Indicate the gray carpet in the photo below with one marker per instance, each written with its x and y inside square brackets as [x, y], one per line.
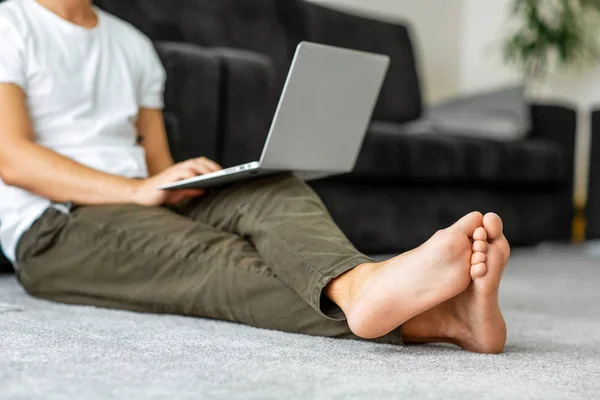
[551, 299]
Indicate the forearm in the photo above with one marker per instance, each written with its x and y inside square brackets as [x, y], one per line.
[39, 170]
[46, 173]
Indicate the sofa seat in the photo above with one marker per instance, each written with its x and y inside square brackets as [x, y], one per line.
[396, 152]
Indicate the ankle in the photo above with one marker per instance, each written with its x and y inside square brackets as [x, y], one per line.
[342, 289]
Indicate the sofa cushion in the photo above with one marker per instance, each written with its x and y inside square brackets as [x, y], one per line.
[400, 99]
[157, 19]
[392, 151]
[503, 114]
[256, 25]
[192, 103]
[248, 99]
[274, 28]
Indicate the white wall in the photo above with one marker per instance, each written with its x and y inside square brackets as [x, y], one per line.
[436, 31]
[485, 24]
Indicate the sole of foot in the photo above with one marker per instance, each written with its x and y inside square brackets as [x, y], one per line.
[377, 298]
[479, 303]
[471, 320]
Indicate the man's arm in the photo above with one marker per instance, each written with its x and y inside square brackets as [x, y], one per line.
[151, 128]
[27, 165]
[32, 167]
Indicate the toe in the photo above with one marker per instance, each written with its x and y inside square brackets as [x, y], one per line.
[478, 258]
[480, 245]
[493, 226]
[503, 248]
[480, 234]
[478, 271]
[469, 223]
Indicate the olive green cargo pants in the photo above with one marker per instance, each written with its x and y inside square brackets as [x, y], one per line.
[258, 253]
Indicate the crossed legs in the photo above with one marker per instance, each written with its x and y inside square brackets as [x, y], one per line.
[451, 282]
[267, 254]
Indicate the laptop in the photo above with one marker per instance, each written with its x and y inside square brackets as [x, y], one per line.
[321, 120]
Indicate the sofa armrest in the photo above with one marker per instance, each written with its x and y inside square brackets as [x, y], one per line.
[249, 100]
[192, 99]
[558, 124]
[592, 211]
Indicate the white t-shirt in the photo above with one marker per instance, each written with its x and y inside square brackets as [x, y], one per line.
[84, 88]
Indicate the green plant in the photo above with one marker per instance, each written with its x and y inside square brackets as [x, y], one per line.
[552, 31]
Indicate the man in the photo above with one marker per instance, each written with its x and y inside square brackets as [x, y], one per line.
[83, 222]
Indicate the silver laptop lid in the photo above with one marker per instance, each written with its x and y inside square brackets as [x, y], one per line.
[325, 109]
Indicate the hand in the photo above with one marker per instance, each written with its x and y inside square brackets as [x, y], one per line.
[146, 192]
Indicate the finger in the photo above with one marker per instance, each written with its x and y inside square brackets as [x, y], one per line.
[180, 173]
[198, 168]
[215, 166]
[209, 164]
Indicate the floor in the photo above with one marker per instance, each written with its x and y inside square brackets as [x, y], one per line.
[551, 298]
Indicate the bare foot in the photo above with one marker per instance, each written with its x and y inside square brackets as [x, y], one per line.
[473, 319]
[377, 298]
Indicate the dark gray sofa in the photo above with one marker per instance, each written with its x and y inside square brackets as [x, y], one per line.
[227, 61]
[592, 211]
